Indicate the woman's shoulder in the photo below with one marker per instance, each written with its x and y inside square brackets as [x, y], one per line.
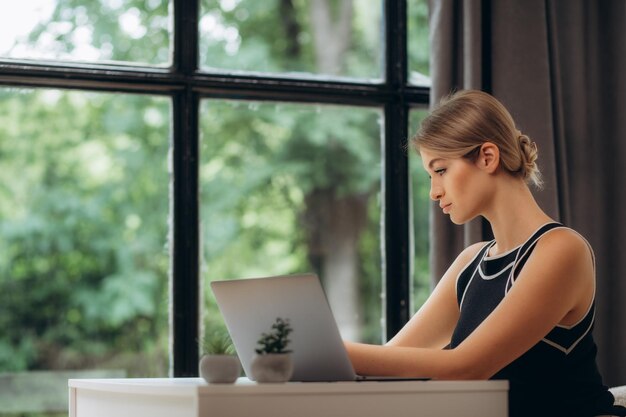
[565, 255]
[462, 261]
[564, 240]
[469, 254]
[472, 250]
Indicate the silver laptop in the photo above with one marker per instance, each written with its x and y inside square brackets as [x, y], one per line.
[250, 307]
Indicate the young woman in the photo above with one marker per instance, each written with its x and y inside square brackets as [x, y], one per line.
[520, 307]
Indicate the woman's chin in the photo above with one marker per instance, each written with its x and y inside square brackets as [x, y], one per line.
[459, 221]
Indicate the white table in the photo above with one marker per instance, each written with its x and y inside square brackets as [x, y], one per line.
[192, 397]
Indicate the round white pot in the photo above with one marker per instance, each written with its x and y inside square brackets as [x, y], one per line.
[220, 369]
[273, 367]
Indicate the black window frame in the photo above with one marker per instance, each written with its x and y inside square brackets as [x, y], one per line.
[186, 85]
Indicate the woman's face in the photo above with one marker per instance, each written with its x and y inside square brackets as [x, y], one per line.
[458, 184]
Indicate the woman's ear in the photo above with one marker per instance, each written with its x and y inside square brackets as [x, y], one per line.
[488, 157]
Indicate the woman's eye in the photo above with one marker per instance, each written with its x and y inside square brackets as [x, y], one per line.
[440, 171]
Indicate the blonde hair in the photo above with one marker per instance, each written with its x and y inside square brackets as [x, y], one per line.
[463, 121]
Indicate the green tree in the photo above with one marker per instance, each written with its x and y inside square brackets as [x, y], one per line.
[83, 269]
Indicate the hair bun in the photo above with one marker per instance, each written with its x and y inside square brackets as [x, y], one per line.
[529, 153]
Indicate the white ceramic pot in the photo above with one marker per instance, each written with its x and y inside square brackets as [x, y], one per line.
[220, 369]
[273, 367]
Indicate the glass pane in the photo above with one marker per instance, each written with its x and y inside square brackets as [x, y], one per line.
[121, 31]
[340, 38]
[418, 43]
[84, 188]
[420, 201]
[289, 188]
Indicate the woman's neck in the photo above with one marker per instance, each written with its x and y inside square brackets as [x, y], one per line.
[514, 215]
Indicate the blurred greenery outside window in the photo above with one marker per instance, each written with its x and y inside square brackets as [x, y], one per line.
[85, 211]
[101, 31]
[418, 46]
[341, 38]
[83, 231]
[420, 203]
[289, 188]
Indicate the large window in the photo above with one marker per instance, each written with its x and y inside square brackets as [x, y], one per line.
[148, 147]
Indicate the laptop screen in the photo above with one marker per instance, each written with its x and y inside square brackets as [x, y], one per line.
[250, 307]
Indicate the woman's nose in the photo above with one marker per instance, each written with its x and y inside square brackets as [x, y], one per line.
[435, 192]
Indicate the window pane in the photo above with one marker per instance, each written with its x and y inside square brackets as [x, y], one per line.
[418, 44]
[122, 31]
[421, 206]
[83, 228]
[326, 38]
[290, 188]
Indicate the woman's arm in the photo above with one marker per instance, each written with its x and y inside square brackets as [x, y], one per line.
[433, 324]
[402, 361]
[555, 286]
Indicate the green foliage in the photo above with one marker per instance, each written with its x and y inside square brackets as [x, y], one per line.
[277, 339]
[250, 35]
[133, 31]
[259, 163]
[217, 343]
[83, 271]
[418, 41]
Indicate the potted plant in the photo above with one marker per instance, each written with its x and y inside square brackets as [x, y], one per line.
[273, 362]
[219, 364]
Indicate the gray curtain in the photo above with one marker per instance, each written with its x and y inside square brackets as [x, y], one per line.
[560, 68]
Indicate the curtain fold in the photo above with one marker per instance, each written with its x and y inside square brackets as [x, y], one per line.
[559, 66]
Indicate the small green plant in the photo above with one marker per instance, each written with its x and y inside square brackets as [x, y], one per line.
[277, 340]
[218, 342]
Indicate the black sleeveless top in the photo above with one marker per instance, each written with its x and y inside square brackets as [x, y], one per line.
[556, 377]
